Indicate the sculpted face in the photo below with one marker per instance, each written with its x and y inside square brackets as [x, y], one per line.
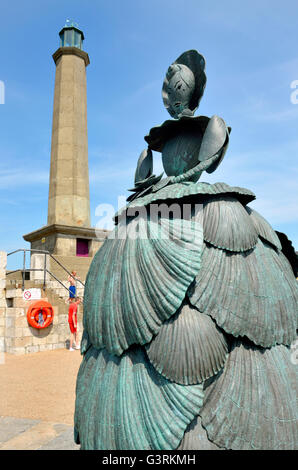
[180, 87]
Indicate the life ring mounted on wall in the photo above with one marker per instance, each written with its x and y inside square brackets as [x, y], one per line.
[40, 314]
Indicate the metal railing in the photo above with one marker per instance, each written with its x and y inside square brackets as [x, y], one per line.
[44, 269]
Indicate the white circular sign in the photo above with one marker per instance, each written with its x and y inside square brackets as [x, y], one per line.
[27, 295]
[32, 294]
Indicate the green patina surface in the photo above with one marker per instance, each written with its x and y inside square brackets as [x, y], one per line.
[123, 403]
[135, 284]
[188, 321]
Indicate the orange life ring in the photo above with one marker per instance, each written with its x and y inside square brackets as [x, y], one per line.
[40, 314]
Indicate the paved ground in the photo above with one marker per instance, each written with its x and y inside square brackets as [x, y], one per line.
[29, 434]
[37, 396]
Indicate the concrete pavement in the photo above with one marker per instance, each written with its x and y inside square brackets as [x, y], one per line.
[28, 434]
[37, 397]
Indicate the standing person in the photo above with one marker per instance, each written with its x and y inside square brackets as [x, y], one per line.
[72, 280]
[73, 322]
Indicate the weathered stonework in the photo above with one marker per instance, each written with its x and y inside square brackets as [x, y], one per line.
[18, 337]
[69, 180]
[69, 202]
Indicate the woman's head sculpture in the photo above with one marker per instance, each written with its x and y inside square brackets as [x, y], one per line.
[184, 84]
[181, 85]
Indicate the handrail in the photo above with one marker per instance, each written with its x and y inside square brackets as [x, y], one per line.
[44, 269]
[21, 270]
[47, 253]
[58, 262]
[60, 282]
[40, 269]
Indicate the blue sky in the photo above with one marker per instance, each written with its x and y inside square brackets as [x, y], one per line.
[251, 52]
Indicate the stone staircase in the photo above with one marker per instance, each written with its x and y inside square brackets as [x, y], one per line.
[80, 265]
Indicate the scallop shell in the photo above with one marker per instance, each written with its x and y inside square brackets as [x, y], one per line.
[264, 229]
[188, 348]
[251, 294]
[187, 189]
[214, 138]
[122, 403]
[226, 224]
[138, 279]
[144, 166]
[195, 438]
[252, 404]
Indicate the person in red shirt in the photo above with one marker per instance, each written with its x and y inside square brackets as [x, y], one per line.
[73, 322]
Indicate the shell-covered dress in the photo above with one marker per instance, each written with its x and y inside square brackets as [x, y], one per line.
[188, 323]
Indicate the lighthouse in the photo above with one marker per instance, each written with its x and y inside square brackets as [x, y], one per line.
[69, 178]
[68, 234]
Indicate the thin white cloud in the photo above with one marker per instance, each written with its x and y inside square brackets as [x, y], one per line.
[272, 174]
[263, 110]
[110, 175]
[278, 116]
[140, 92]
[22, 177]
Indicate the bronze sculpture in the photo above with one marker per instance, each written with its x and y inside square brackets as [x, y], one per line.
[187, 330]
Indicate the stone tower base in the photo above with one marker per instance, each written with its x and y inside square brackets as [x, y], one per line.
[63, 242]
